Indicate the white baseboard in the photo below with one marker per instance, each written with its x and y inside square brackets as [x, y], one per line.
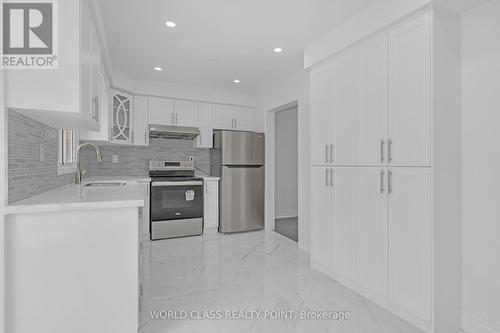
[285, 215]
[473, 324]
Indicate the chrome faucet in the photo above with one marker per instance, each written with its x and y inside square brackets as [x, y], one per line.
[79, 173]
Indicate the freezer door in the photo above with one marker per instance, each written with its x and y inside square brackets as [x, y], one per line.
[240, 148]
[242, 199]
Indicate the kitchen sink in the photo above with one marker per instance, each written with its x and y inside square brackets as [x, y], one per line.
[105, 184]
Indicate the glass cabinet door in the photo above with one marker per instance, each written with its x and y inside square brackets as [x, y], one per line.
[121, 130]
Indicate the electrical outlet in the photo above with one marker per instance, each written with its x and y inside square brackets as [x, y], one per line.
[115, 159]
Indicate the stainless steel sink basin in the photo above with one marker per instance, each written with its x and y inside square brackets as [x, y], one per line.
[105, 184]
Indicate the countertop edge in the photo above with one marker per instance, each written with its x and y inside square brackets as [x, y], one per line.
[47, 208]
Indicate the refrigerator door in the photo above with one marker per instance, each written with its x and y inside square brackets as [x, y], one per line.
[240, 148]
[242, 199]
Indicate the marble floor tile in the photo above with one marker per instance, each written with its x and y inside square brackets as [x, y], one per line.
[255, 271]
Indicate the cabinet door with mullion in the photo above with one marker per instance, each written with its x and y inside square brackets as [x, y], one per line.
[122, 118]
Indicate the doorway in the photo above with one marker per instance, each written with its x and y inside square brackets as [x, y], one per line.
[286, 173]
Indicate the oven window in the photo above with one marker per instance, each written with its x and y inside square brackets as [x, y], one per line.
[176, 202]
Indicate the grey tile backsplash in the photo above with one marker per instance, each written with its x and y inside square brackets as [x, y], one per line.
[28, 176]
[133, 160]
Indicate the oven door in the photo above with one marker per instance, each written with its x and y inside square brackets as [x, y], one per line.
[176, 200]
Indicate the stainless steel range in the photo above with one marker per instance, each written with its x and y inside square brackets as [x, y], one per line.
[176, 200]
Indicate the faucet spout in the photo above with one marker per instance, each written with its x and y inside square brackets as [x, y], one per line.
[79, 173]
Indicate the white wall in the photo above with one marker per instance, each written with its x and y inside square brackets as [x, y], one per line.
[286, 163]
[481, 168]
[291, 89]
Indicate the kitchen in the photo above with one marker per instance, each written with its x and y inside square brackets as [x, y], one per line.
[144, 163]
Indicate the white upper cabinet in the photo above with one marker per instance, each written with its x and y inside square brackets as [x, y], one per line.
[62, 97]
[104, 114]
[95, 72]
[410, 93]
[122, 117]
[346, 233]
[161, 111]
[223, 117]
[232, 117]
[371, 131]
[186, 113]
[344, 106]
[141, 121]
[244, 118]
[321, 116]
[410, 240]
[205, 140]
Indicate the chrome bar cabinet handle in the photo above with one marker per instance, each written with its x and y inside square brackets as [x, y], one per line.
[331, 153]
[326, 178]
[331, 177]
[382, 176]
[382, 153]
[327, 159]
[389, 151]
[390, 182]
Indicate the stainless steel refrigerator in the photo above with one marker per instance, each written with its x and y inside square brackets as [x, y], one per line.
[238, 159]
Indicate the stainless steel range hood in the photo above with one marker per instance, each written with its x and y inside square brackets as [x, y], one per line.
[173, 132]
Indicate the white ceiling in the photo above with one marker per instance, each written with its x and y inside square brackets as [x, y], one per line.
[217, 41]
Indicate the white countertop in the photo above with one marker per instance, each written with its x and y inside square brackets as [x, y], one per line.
[79, 197]
[205, 176]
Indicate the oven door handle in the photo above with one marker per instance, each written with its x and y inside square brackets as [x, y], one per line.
[181, 183]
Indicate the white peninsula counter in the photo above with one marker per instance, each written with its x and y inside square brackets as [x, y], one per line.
[72, 259]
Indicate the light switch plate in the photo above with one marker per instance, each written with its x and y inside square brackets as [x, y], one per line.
[115, 159]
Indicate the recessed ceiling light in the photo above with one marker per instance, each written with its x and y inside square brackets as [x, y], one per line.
[278, 49]
[158, 69]
[236, 81]
[170, 24]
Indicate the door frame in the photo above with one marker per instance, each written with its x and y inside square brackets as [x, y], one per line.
[270, 162]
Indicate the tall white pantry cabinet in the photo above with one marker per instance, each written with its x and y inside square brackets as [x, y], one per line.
[385, 168]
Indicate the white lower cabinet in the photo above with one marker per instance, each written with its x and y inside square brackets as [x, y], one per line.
[410, 240]
[346, 240]
[211, 204]
[372, 230]
[373, 246]
[322, 196]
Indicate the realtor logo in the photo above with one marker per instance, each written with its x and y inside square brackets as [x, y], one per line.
[29, 35]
